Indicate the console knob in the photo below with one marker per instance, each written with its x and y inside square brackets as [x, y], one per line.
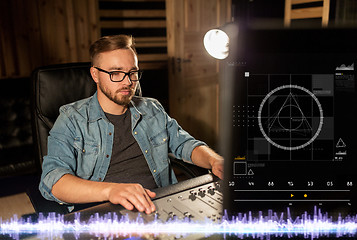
[187, 215]
[210, 190]
[156, 215]
[171, 216]
[202, 193]
[218, 186]
[192, 195]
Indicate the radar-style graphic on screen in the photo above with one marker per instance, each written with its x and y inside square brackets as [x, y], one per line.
[291, 123]
[286, 123]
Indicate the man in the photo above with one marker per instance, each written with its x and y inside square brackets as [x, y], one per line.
[114, 146]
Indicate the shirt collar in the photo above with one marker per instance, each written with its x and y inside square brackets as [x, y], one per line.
[96, 112]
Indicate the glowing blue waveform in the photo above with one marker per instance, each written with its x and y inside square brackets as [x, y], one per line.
[244, 224]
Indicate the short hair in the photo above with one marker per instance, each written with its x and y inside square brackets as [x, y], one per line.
[110, 43]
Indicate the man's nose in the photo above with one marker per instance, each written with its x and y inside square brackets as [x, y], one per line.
[127, 80]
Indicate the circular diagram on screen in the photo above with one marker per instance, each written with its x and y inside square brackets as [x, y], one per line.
[290, 117]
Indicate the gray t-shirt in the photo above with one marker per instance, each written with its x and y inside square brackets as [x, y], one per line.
[127, 164]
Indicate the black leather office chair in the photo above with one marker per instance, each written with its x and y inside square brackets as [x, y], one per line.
[52, 87]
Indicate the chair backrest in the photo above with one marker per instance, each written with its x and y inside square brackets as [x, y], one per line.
[302, 9]
[52, 87]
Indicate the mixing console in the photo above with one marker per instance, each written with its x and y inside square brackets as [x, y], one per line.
[198, 199]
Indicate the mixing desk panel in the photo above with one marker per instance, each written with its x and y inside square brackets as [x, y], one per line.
[197, 199]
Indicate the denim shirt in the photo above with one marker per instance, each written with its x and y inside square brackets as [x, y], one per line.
[81, 140]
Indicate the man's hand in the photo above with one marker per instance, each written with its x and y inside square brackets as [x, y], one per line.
[132, 195]
[217, 167]
[72, 189]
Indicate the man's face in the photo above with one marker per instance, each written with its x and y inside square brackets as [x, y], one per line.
[118, 60]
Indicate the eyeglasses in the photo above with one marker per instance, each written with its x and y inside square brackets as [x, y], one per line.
[118, 76]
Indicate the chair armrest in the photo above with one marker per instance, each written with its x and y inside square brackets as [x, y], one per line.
[189, 170]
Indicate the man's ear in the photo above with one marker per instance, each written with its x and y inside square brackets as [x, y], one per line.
[94, 73]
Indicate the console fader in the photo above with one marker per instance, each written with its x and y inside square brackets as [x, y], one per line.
[198, 199]
[197, 203]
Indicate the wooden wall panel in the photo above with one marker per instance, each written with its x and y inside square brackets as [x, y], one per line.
[346, 12]
[193, 74]
[20, 37]
[43, 32]
[201, 113]
[7, 38]
[68, 28]
[49, 21]
[145, 20]
[33, 36]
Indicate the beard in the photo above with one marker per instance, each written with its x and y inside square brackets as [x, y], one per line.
[116, 97]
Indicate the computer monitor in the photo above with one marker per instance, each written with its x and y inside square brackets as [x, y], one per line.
[288, 121]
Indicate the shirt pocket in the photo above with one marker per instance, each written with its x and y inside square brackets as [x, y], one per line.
[160, 149]
[159, 139]
[87, 155]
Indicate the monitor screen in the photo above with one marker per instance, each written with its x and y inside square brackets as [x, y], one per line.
[288, 121]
